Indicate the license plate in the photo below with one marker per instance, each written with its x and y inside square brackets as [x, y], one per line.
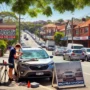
[39, 73]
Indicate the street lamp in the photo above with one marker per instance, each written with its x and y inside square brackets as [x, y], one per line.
[72, 30]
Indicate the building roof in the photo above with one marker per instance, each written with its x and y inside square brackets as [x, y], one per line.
[5, 26]
[85, 23]
[78, 25]
[49, 26]
[61, 27]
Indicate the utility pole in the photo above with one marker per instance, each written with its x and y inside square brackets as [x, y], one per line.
[19, 30]
[72, 30]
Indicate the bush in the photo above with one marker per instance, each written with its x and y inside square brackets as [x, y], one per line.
[57, 37]
[3, 46]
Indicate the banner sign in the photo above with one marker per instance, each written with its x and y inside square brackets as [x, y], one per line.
[84, 38]
[69, 74]
[7, 33]
[76, 38]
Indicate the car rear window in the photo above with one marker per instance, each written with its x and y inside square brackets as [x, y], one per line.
[88, 50]
[77, 51]
[77, 47]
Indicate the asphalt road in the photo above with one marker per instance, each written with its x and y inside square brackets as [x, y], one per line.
[58, 59]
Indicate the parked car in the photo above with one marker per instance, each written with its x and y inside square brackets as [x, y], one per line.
[57, 51]
[43, 45]
[34, 63]
[87, 53]
[74, 46]
[68, 76]
[50, 45]
[74, 54]
[26, 38]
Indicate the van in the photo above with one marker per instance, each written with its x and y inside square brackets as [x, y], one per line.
[74, 46]
[50, 45]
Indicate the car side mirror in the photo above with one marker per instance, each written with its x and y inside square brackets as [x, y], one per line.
[51, 56]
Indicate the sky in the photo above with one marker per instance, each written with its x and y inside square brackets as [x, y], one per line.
[55, 16]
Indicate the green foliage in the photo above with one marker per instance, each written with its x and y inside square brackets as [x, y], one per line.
[9, 14]
[60, 20]
[37, 32]
[57, 37]
[3, 46]
[45, 6]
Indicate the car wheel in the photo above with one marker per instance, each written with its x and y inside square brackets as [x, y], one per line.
[50, 78]
[18, 79]
[86, 58]
[63, 58]
[69, 58]
[82, 60]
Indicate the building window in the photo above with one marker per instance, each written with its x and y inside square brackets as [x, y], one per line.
[77, 32]
[85, 29]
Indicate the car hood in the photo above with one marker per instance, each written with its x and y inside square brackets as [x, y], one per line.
[39, 61]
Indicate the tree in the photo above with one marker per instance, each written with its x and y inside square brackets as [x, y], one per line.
[61, 20]
[37, 32]
[33, 7]
[8, 14]
[57, 37]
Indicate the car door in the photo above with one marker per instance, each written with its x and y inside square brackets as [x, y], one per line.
[66, 54]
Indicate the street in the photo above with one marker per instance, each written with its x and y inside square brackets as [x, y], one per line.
[46, 84]
[58, 59]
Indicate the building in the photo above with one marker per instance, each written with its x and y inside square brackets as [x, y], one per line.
[49, 30]
[82, 33]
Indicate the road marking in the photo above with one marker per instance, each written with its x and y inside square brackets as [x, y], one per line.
[46, 87]
[86, 73]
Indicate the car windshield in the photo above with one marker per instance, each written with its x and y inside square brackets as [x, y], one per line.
[29, 54]
[77, 51]
[88, 50]
[77, 47]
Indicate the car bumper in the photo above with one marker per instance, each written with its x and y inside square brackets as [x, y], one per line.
[78, 58]
[30, 74]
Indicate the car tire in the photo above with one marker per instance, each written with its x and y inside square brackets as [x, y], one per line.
[86, 58]
[83, 60]
[50, 78]
[69, 58]
[18, 79]
[63, 58]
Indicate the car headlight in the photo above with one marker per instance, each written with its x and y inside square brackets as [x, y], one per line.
[52, 64]
[24, 66]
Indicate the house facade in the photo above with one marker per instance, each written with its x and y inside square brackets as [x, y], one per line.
[82, 33]
[49, 30]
